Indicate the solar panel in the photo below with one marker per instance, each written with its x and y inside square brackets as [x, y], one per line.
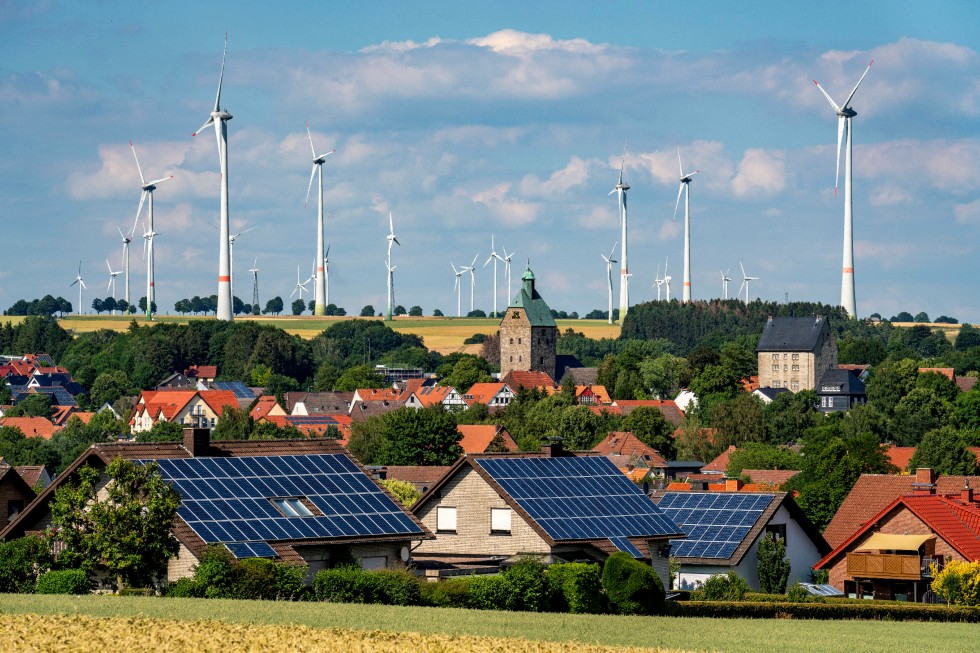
[821, 589]
[251, 550]
[228, 499]
[715, 523]
[238, 387]
[623, 544]
[579, 498]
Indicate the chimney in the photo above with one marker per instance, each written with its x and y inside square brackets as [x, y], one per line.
[925, 481]
[733, 484]
[553, 448]
[966, 494]
[197, 442]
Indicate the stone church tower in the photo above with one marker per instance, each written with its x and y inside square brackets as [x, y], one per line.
[528, 333]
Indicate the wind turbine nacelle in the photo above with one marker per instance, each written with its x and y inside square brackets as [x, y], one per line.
[847, 112]
[221, 115]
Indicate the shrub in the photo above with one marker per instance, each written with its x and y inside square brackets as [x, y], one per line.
[958, 583]
[392, 587]
[725, 587]
[452, 593]
[575, 587]
[341, 585]
[65, 581]
[490, 593]
[183, 588]
[215, 573]
[290, 581]
[253, 578]
[23, 560]
[137, 591]
[774, 566]
[631, 586]
[529, 591]
[797, 594]
[873, 610]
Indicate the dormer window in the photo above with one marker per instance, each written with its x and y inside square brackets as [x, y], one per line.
[292, 507]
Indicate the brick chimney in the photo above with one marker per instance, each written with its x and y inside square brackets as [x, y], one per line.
[733, 484]
[197, 442]
[966, 494]
[925, 481]
[553, 448]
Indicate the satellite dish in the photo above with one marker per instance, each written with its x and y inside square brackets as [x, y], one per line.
[405, 554]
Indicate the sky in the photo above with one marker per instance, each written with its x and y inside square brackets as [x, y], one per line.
[508, 120]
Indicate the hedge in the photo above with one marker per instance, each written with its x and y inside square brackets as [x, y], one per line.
[828, 610]
[631, 586]
[451, 593]
[65, 581]
[576, 587]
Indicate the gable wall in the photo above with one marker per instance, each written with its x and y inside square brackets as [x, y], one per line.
[473, 498]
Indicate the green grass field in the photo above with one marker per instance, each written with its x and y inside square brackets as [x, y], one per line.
[748, 636]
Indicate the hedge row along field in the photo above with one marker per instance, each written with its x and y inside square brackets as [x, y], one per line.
[83, 634]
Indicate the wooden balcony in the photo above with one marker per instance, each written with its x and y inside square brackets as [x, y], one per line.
[885, 565]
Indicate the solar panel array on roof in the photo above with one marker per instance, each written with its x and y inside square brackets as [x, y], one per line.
[579, 498]
[821, 589]
[229, 499]
[239, 388]
[623, 544]
[251, 550]
[311, 420]
[715, 523]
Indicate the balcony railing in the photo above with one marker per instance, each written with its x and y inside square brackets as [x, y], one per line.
[890, 565]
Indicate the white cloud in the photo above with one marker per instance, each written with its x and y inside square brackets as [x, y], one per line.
[760, 170]
[669, 230]
[514, 43]
[576, 173]
[968, 213]
[497, 199]
[889, 255]
[401, 46]
[888, 194]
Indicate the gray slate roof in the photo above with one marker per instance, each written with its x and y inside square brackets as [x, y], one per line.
[846, 382]
[792, 334]
[538, 312]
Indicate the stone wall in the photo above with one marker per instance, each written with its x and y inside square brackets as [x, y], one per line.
[515, 341]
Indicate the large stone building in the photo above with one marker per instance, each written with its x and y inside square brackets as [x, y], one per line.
[795, 352]
[528, 334]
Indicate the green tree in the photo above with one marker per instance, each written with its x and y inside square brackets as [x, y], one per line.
[108, 387]
[415, 311]
[437, 313]
[367, 311]
[465, 372]
[127, 531]
[919, 412]
[662, 375]
[405, 492]
[696, 442]
[774, 565]
[581, 428]
[649, 425]
[714, 383]
[18, 449]
[966, 409]
[326, 377]
[273, 306]
[427, 436]
[399, 310]
[944, 451]
[739, 420]
[939, 384]
[889, 382]
[362, 376]
[790, 414]
[235, 424]
[967, 338]
[367, 439]
[32, 405]
[298, 307]
[755, 455]
[162, 432]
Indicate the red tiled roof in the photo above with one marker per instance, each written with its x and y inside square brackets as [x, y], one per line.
[965, 383]
[264, 406]
[857, 369]
[625, 443]
[381, 394]
[218, 399]
[719, 464]
[872, 493]
[527, 379]
[32, 427]
[750, 383]
[900, 456]
[30, 473]
[772, 477]
[477, 437]
[672, 413]
[201, 372]
[611, 410]
[419, 475]
[482, 393]
[948, 372]
[430, 394]
[597, 393]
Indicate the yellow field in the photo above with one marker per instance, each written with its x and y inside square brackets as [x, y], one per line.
[441, 334]
[29, 632]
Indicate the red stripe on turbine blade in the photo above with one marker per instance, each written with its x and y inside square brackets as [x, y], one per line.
[223, 279]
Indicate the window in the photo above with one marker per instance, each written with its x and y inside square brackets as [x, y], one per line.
[511, 341]
[500, 520]
[777, 531]
[785, 368]
[445, 519]
[796, 357]
[511, 359]
[775, 357]
[775, 368]
[14, 506]
[785, 356]
[823, 402]
[796, 385]
[518, 341]
[292, 507]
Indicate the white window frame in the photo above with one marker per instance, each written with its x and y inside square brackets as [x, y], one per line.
[446, 519]
[501, 520]
[291, 507]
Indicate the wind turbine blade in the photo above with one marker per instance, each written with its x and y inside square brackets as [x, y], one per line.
[849, 97]
[391, 224]
[221, 77]
[613, 249]
[310, 187]
[396, 241]
[455, 271]
[829, 99]
[678, 202]
[121, 235]
[83, 284]
[489, 258]
[841, 128]
[311, 138]
[133, 147]
[159, 181]
[108, 266]
[327, 253]
[140, 209]
[743, 269]
[679, 166]
[210, 121]
[473, 263]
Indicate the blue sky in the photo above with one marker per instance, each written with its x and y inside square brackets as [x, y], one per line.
[505, 118]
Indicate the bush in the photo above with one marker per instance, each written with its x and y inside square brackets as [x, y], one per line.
[215, 573]
[631, 586]
[575, 587]
[65, 581]
[392, 587]
[529, 591]
[23, 560]
[797, 594]
[725, 587]
[183, 588]
[253, 578]
[290, 582]
[958, 583]
[452, 593]
[773, 565]
[137, 591]
[341, 585]
[490, 593]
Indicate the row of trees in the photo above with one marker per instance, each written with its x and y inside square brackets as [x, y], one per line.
[47, 305]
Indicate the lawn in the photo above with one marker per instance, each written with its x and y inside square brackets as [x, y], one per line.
[689, 634]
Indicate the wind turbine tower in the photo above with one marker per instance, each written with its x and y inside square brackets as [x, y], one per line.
[667, 278]
[320, 287]
[299, 287]
[724, 283]
[469, 268]
[81, 284]
[458, 288]
[391, 271]
[231, 256]
[745, 282]
[685, 185]
[255, 285]
[494, 256]
[127, 238]
[624, 275]
[219, 120]
[609, 266]
[658, 281]
[112, 279]
[507, 258]
[326, 279]
[148, 189]
[844, 115]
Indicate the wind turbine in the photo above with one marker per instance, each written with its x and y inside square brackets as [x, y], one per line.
[127, 238]
[319, 288]
[745, 282]
[391, 271]
[685, 185]
[724, 282]
[148, 189]
[231, 256]
[300, 286]
[148, 255]
[219, 120]
[326, 278]
[112, 279]
[81, 284]
[667, 278]
[507, 258]
[469, 268]
[255, 284]
[609, 266]
[844, 114]
[494, 256]
[458, 287]
[659, 281]
[624, 275]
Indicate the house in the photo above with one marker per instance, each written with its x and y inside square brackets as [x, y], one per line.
[724, 530]
[485, 438]
[34, 475]
[15, 493]
[302, 501]
[553, 505]
[899, 456]
[860, 371]
[795, 352]
[585, 395]
[528, 333]
[872, 493]
[624, 449]
[314, 403]
[719, 465]
[768, 395]
[198, 408]
[529, 379]
[32, 427]
[839, 391]
[266, 406]
[55, 379]
[421, 476]
[492, 395]
[178, 381]
[772, 479]
[205, 374]
[430, 395]
[891, 555]
[580, 375]
[685, 400]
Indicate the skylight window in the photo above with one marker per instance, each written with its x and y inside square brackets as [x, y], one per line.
[292, 507]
